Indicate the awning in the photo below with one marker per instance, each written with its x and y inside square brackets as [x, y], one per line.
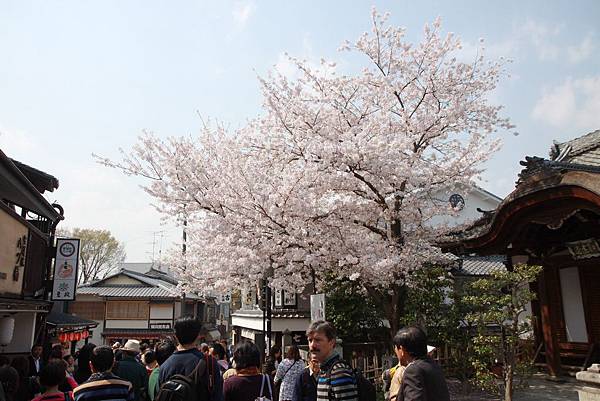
[65, 321]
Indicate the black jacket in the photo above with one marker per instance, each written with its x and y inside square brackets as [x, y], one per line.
[32, 370]
[305, 388]
[423, 380]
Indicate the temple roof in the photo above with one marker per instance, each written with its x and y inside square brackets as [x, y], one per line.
[480, 265]
[583, 150]
[572, 163]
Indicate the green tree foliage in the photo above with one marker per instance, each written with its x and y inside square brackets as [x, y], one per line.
[356, 316]
[436, 302]
[499, 304]
[100, 253]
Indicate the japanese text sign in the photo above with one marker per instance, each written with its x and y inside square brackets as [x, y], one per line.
[66, 265]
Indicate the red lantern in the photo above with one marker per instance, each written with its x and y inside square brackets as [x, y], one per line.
[85, 334]
[62, 337]
[78, 336]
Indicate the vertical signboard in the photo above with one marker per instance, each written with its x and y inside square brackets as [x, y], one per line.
[225, 298]
[317, 307]
[13, 248]
[66, 264]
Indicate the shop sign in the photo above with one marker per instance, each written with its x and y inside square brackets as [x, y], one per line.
[14, 237]
[164, 326]
[588, 248]
[248, 298]
[66, 265]
[225, 298]
[317, 307]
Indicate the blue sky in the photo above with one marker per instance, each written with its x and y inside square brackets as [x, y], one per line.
[78, 77]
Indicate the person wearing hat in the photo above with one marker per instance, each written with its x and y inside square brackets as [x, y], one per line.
[130, 369]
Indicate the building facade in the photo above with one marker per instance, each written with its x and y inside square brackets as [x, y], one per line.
[140, 303]
[552, 219]
[27, 225]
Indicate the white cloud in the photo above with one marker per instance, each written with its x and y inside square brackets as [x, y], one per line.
[582, 51]
[286, 66]
[242, 11]
[575, 103]
[542, 37]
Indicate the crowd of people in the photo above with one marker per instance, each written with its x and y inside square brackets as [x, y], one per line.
[181, 369]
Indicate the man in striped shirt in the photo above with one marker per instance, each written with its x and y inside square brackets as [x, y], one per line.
[102, 384]
[336, 380]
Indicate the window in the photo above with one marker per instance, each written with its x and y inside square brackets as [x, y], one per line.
[87, 310]
[127, 310]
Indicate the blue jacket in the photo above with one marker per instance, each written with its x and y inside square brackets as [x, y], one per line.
[184, 362]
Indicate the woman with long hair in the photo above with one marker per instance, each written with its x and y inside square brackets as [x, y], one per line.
[288, 372]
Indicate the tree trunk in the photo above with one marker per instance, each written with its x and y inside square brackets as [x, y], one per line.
[508, 382]
[391, 304]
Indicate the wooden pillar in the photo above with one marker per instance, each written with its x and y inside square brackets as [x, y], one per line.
[550, 340]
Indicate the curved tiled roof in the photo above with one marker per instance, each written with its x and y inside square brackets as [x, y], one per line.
[481, 265]
[583, 150]
[151, 285]
[127, 292]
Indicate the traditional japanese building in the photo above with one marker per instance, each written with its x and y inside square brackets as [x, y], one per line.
[27, 224]
[552, 219]
[141, 301]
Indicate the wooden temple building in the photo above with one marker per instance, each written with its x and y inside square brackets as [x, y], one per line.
[552, 219]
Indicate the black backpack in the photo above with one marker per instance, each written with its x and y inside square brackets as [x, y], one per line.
[188, 388]
[177, 388]
[366, 389]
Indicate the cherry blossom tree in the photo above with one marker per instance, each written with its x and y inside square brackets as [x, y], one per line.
[339, 173]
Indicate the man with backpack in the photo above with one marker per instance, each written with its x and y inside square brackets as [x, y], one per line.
[102, 384]
[336, 379]
[188, 374]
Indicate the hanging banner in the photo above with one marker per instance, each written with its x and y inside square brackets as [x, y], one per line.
[317, 307]
[66, 265]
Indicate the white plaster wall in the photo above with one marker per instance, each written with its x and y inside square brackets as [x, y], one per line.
[122, 280]
[473, 199]
[255, 323]
[161, 311]
[573, 305]
[126, 324]
[97, 333]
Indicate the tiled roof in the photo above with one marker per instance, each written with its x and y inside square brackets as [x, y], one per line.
[60, 319]
[480, 265]
[151, 284]
[127, 292]
[582, 150]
